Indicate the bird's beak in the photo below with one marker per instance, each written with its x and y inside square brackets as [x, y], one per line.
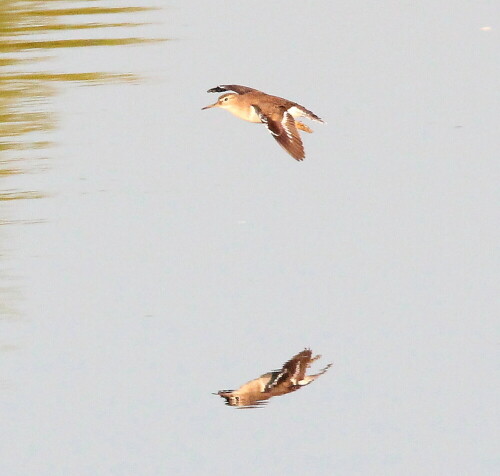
[215, 104]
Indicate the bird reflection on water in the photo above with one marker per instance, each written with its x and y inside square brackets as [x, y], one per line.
[291, 377]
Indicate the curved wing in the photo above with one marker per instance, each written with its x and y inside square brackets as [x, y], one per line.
[231, 87]
[285, 132]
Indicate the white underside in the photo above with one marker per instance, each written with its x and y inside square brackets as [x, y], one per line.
[296, 112]
[247, 114]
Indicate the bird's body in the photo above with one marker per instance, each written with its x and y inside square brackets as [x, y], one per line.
[291, 377]
[277, 114]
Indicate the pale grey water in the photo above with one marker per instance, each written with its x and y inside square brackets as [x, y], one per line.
[177, 252]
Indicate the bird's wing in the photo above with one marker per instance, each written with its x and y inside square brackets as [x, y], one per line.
[295, 369]
[285, 132]
[231, 87]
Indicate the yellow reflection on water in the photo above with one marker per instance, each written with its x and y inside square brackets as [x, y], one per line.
[32, 31]
[25, 90]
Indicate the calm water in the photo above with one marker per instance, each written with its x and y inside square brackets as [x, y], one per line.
[31, 34]
[152, 253]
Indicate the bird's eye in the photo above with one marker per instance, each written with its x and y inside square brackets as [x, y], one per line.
[225, 99]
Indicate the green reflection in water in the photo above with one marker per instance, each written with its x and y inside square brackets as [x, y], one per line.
[9, 46]
[25, 92]
[29, 31]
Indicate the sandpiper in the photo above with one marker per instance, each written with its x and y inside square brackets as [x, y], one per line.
[276, 113]
[289, 378]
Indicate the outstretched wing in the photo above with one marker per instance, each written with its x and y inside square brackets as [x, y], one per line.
[231, 87]
[293, 370]
[285, 132]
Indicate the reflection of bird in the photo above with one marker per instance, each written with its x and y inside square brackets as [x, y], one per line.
[276, 113]
[278, 382]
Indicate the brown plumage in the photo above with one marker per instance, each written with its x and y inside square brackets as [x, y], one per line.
[289, 378]
[277, 114]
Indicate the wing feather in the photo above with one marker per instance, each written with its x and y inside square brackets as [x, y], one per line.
[231, 87]
[284, 132]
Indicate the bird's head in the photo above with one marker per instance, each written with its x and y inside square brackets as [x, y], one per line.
[226, 101]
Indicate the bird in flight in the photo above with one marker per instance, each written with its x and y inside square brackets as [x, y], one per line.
[292, 376]
[276, 113]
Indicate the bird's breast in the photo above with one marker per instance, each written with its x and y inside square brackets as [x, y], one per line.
[247, 113]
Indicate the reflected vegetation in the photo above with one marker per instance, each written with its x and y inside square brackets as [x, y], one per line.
[31, 32]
